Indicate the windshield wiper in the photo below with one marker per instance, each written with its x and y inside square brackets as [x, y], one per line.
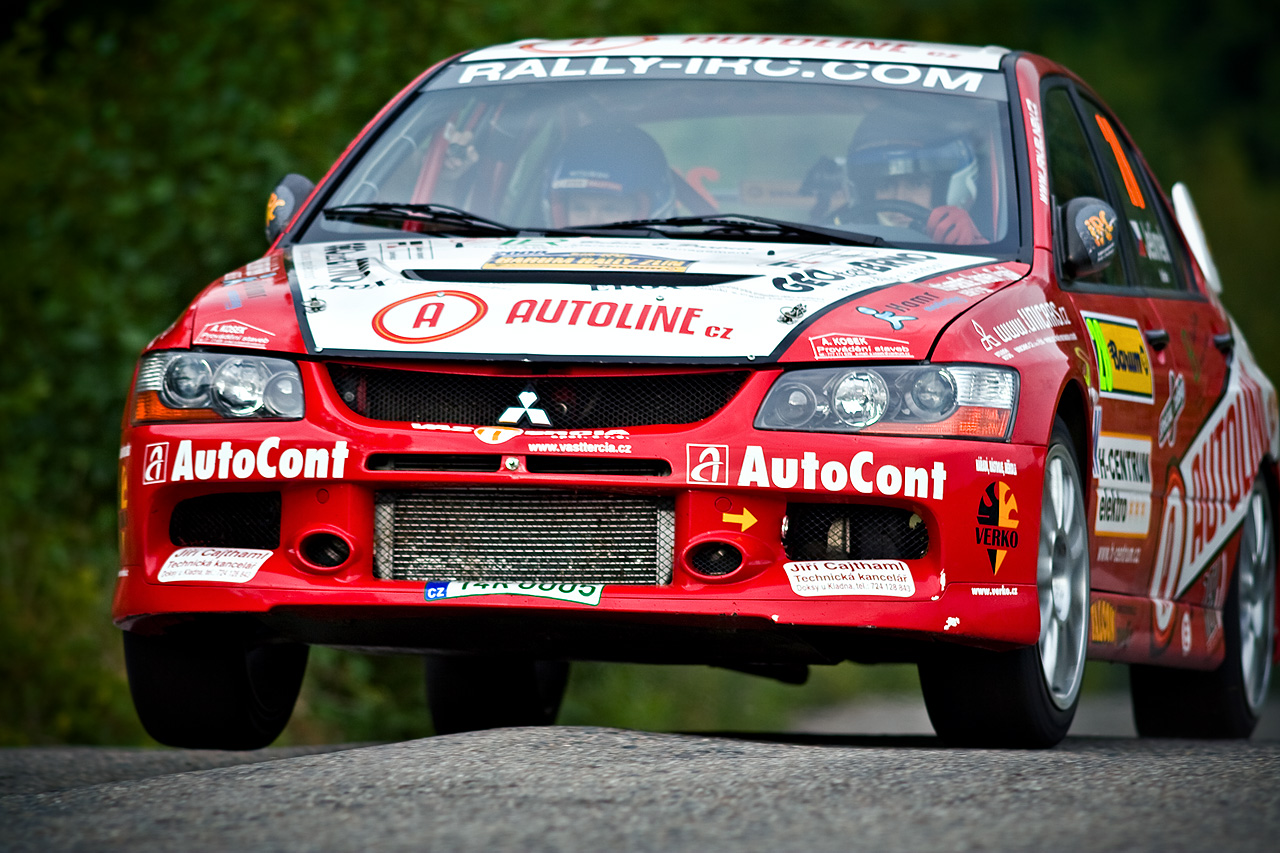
[435, 218]
[740, 225]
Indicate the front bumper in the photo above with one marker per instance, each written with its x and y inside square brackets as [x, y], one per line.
[728, 483]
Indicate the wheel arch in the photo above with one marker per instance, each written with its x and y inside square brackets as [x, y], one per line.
[1073, 409]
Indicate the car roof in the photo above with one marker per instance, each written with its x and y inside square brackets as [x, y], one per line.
[849, 49]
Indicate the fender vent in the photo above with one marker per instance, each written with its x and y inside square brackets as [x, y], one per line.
[227, 520]
[854, 532]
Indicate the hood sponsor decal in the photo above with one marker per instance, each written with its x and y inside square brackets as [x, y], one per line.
[596, 261]
[710, 464]
[817, 578]
[373, 306]
[1029, 320]
[223, 462]
[442, 314]
[997, 527]
[1124, 365]
[577, 593]
[224, 565]
[845, 346]
[1122, 464]
[227, 333]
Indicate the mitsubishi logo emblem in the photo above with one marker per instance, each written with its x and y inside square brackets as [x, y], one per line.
[537, 417]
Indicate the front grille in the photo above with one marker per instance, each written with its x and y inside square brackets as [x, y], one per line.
[570, 402]
[523, 535]
[854, 532]
[227, 520]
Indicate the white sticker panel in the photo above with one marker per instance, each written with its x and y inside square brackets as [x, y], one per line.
[367, 304]
[818, 578]
[225, 565]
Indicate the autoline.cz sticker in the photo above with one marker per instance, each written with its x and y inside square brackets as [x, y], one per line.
[578, 593]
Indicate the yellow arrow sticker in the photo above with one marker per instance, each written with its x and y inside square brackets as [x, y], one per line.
[746, 519]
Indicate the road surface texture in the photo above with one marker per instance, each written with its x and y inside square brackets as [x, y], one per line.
[596, 789]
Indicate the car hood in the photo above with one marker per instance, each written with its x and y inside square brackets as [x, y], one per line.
[597, 299]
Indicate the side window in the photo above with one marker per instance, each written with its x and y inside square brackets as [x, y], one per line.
[1072, 169]
[1157, 254]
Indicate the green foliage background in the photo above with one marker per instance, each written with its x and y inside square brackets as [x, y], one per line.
[139, 140]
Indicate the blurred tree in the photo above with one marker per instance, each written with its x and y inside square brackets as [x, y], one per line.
[141, 137]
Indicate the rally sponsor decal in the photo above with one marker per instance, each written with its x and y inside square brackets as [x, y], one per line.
[818, 578]
[594, 261]
[429, 317]
[1172, 410]
[986, 465]
[1208, 495]
[778, 46]
[155, 463]
[225, 565]
[997, 523]
[710, 464]
[543, 440]
[977, 282]
[882, 75]
[993, 591]
[228, 333]
[843, 346]
[376, 302]
[1120, 350]
[1102, 622]
[707, 464]
[265, 460]
[577, 593]
[1024, 330]
[1122, 465]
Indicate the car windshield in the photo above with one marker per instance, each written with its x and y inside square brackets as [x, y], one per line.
[905, 155]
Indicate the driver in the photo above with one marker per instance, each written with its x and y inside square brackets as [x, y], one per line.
[609, 173]
[907, 174]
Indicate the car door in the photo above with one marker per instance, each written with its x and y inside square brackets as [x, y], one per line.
[1126, 359]
[1201, 405]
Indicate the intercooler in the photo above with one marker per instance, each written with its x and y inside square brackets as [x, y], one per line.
[485, 534]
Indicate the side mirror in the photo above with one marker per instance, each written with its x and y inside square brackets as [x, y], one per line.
[284, 202]
[1089, 225]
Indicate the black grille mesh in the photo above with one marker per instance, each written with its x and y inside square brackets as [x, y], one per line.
[571, 402]
[227, 520]
[523, 535]
[854, 532]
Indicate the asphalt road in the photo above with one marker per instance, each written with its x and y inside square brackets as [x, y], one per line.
[595, 789]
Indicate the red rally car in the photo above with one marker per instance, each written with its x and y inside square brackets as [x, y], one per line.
[750, 351]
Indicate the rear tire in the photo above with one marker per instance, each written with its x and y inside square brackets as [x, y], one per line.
[471, 692]
[1027, 697]
[201, 691]
[1225, 702]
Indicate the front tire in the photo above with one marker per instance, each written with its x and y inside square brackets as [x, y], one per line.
[1027, 697]
[213, 691]
[1225, 702]
[472, 692]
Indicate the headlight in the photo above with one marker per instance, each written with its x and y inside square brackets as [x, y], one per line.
[202, 386]
[966, 401]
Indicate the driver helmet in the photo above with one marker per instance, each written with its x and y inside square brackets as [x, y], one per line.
[889, 147]
[609, 173]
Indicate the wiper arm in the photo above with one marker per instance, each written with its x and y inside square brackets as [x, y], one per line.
[435, 217]
[743, 225]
